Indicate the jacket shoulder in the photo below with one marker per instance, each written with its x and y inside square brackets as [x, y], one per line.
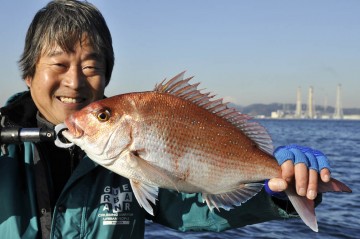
[16, 97]
[20, 110]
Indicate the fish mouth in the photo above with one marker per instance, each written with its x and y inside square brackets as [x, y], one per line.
[73, 128]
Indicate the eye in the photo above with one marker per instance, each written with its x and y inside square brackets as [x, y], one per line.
[59, 67]
[103, 115]
[89, 68]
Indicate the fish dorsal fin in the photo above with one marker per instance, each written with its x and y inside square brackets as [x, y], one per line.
[180, 87]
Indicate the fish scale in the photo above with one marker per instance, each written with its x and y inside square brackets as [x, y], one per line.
[177, 137]
[226, 155]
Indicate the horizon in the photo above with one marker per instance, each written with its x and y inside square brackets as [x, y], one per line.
[246, 52]
[303, 105]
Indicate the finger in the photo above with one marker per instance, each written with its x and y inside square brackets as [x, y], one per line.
[312, 161]
[322, 160]
[287, 171]
[282, 154]
[300, 157]
[301, 178]
[325, 175]
[277, 184]
[313, 184]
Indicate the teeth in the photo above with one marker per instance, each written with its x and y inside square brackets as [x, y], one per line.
[69, 100]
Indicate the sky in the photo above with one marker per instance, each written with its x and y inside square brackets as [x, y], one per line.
[243, 51]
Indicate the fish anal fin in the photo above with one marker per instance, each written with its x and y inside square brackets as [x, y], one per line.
[232, 198]
[145, 193]
[304, 207]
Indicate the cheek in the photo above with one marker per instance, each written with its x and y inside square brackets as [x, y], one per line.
[43, 83]
[98, 87]
[92, 128]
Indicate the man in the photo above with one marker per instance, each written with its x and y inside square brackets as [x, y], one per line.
[48, 192]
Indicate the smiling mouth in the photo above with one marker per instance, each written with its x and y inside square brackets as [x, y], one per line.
[69, 100]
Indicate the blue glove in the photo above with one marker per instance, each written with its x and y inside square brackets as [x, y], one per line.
[312, 158]
[279, 195]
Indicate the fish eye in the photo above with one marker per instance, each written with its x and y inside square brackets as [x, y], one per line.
[103, 115]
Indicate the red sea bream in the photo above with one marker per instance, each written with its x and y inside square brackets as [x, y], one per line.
[179, 138]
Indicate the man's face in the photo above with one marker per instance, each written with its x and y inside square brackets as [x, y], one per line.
[66, 82]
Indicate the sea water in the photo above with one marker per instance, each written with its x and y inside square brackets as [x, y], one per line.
[339, 213]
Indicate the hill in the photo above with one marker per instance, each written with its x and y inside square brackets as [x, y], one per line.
[266, 109]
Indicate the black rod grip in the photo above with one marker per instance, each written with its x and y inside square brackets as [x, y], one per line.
[10, 135]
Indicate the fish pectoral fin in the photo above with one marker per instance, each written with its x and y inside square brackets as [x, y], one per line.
[145, 193]
[149, 170]
[233, 198]
[131, 159]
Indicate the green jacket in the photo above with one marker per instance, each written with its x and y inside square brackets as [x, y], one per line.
[97, 203]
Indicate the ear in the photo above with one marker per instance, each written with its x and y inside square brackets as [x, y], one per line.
[28, 81]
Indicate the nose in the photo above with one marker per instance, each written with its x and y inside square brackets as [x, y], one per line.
[74, 78]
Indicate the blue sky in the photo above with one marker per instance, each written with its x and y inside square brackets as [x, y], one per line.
[245, 51]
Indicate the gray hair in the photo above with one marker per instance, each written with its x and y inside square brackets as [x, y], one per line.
[63, 23]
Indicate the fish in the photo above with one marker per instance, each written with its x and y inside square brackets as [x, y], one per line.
[177, 137]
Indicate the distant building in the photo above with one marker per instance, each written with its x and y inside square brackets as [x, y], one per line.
[338, 106]
[298, 111]
[310, 111]
[291, 111]
[277, 114]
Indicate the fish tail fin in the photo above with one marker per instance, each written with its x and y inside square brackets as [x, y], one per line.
[305, 207]
[333, 186]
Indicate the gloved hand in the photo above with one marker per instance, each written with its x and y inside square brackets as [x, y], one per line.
[312, 159]
[280, 195]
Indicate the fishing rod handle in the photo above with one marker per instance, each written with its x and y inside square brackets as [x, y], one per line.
[10, 135]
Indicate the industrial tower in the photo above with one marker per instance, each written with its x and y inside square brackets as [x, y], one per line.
[338, 107]
[310, 106]
[298, 111]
